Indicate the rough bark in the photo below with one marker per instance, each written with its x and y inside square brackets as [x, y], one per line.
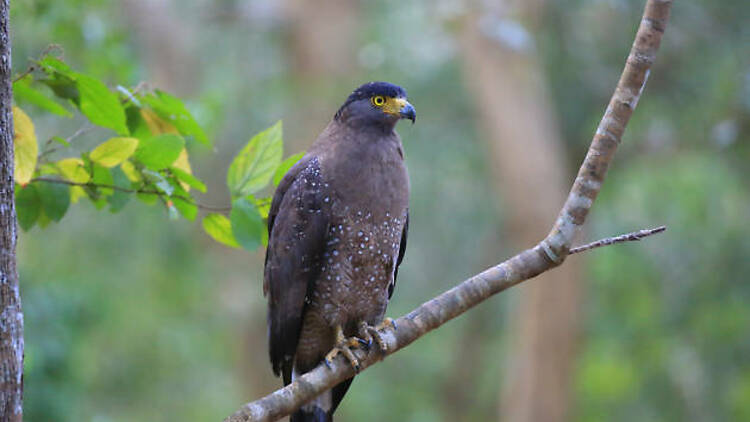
[530, 174]
[545, 255]
[11, 317]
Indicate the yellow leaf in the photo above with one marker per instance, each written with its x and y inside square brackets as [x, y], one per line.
[130, 171]
[114, 151]
[183, 164]
[156, 124]
[48, 168]
[25, 148]
[73, 169]
[76, 193]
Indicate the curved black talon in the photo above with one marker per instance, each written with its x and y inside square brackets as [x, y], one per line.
[364, 342]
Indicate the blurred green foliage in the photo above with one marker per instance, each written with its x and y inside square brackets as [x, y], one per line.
[149, 161]
[130, 319]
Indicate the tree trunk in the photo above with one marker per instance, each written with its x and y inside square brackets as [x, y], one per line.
[11, 317]
[530, 175]
[164, 44]
[322, 42]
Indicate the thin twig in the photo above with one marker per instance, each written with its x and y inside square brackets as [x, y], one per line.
[545, 255]
[83, 129]
[627, 237]
[128, 190]
[32, 67]
[47, 150]
[28, 70]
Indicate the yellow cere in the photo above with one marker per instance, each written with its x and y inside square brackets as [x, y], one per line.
[389, 105]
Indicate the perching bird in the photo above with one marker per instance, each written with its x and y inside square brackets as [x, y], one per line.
[337, 234]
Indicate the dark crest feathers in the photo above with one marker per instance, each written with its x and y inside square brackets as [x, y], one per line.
[370, 89]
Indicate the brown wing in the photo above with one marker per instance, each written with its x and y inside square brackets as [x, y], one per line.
[297, 224]
[401, 252]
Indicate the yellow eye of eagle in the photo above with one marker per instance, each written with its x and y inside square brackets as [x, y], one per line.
[378, 100]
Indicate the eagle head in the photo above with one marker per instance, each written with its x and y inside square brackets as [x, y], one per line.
[376, 104]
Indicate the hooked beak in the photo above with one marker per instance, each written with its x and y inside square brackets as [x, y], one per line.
[401, 108]
[407, 112]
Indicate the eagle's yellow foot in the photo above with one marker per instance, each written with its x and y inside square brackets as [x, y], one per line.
[344, 346]
[368, 333]
[387, 323]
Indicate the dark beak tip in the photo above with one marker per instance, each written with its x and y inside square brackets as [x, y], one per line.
[408, 112]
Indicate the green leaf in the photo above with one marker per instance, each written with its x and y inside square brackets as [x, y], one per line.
[220, 229]
[62, 79]
[188, 178]
[136, 123]
[61, 141]
[147, 198]
[174, 111]
[51, 64]
[254, 166]
[102, 176]
[100, 105]
[43, 221]
[28, 206]
[114, 151]
[118, 199]
[183, 202]
[187, 209]
[22, 90]
[25, 148]
[285, 166]
[263, 205]
[99, 202]
[55, 199]
[247, 224]
[159, 152]
[64, 88]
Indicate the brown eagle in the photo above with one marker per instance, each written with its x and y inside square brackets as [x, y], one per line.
[337, 234]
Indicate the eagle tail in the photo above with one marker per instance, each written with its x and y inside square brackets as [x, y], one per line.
[337, 393]
[318, 410]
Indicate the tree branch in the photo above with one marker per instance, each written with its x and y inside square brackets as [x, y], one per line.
[546, 255]
[627, 237]
[129, 190]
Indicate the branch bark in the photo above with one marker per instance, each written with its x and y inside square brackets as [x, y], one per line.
[545, 255]
[627, 237]
[11, 317]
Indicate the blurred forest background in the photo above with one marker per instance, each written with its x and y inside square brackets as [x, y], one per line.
[136, 318]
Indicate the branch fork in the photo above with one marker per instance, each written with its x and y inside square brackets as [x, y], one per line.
[544, 256]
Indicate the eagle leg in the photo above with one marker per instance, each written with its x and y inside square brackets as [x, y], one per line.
[344, 346]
